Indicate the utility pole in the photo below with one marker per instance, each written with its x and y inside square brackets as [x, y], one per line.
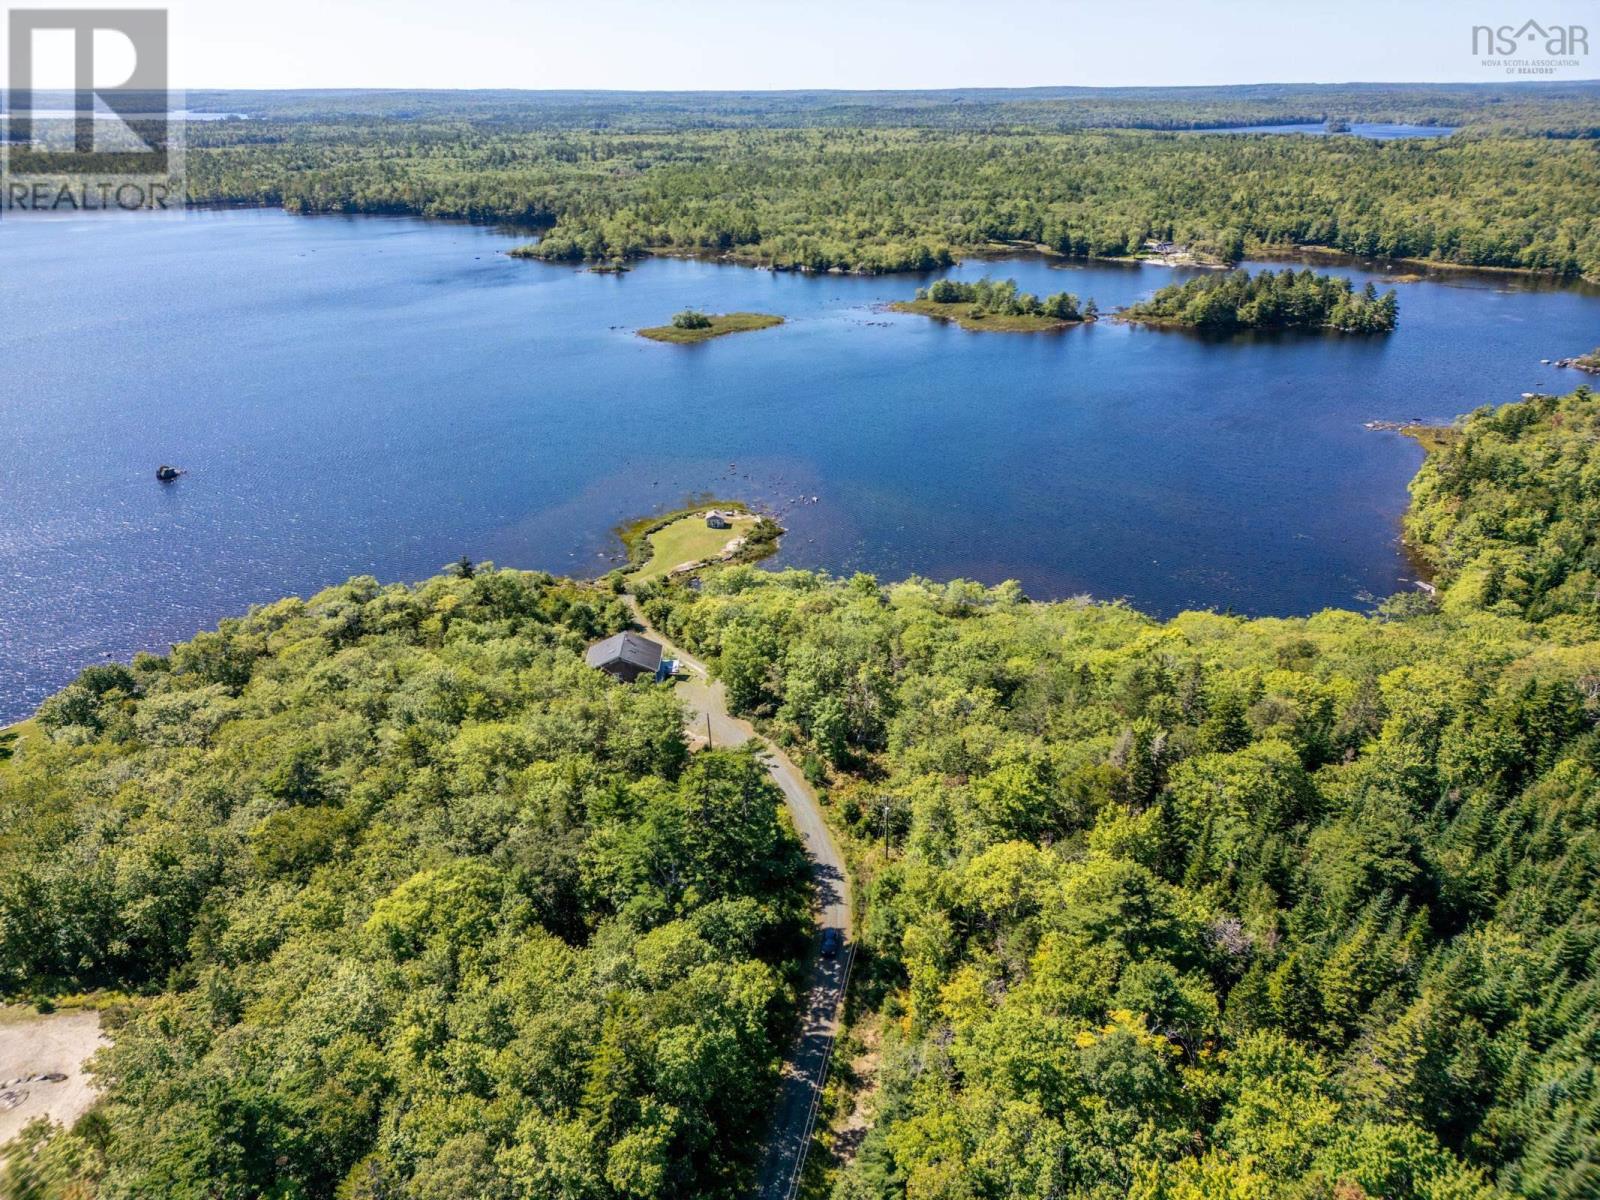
[708, 731]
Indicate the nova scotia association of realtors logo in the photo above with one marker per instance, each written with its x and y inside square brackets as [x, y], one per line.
[78, 141]
[1530, 47]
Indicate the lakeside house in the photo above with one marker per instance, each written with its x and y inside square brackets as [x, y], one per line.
[715, 520]
[626, 656]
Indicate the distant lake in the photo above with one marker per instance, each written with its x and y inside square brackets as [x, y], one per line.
[1377, 132]
[377, 395]
[66, 114]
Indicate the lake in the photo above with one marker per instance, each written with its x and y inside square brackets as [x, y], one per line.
[1377, 131]
[376, 395]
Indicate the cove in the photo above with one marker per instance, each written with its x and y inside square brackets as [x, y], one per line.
[383, 395]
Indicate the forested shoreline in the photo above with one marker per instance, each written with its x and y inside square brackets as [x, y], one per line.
[872, 199]
[1263, 908]
[384, 894]
[1533, 108]
[405, 898]
[1509, 518]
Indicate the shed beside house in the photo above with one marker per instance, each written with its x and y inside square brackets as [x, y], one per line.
[625, 656]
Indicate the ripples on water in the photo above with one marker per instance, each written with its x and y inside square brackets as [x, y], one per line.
[374, 395]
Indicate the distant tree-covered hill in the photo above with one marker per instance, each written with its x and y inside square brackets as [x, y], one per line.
[1569, 109]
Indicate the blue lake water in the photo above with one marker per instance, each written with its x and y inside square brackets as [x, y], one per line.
[1377, 131]
[374, 395]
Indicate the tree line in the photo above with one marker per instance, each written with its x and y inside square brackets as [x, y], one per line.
[1549, 108]
[1509, 514]
[875, 199]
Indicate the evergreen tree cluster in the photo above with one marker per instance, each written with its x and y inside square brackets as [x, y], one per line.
[1285, 299]
[1001, 298]
[1508, 514]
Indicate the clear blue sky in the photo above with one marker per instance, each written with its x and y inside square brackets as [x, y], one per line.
[766, 44]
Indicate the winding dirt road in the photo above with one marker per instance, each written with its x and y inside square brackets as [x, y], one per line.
[805, 1070]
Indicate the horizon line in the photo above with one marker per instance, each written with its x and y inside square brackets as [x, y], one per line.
[974, 87]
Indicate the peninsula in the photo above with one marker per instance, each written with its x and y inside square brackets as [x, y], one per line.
[679, 542]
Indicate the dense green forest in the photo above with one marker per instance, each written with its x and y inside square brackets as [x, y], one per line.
[417, 906]
[1284, 299]
[866, 198]
[1219, 907]
[421, 906]
[1509, 515]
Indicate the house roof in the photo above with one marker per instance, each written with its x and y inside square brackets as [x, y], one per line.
[631, 648]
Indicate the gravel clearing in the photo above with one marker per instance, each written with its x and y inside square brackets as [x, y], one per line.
[41, 1066]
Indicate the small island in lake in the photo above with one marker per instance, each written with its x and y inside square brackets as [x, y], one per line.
[997, 307]
[692, 325]
[1286, 299]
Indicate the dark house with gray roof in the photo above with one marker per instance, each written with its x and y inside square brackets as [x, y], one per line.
[625, 656]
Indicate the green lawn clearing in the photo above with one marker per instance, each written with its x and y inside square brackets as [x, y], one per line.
[689, 540]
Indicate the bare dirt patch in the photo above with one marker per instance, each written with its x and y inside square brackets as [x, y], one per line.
[42, 1066]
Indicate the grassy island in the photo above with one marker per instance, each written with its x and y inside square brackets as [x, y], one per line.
[661, 544]
[997, 307]
[1286, 299]
[693, 326]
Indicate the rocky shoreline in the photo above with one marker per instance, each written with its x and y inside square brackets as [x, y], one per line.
[1583, 362]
